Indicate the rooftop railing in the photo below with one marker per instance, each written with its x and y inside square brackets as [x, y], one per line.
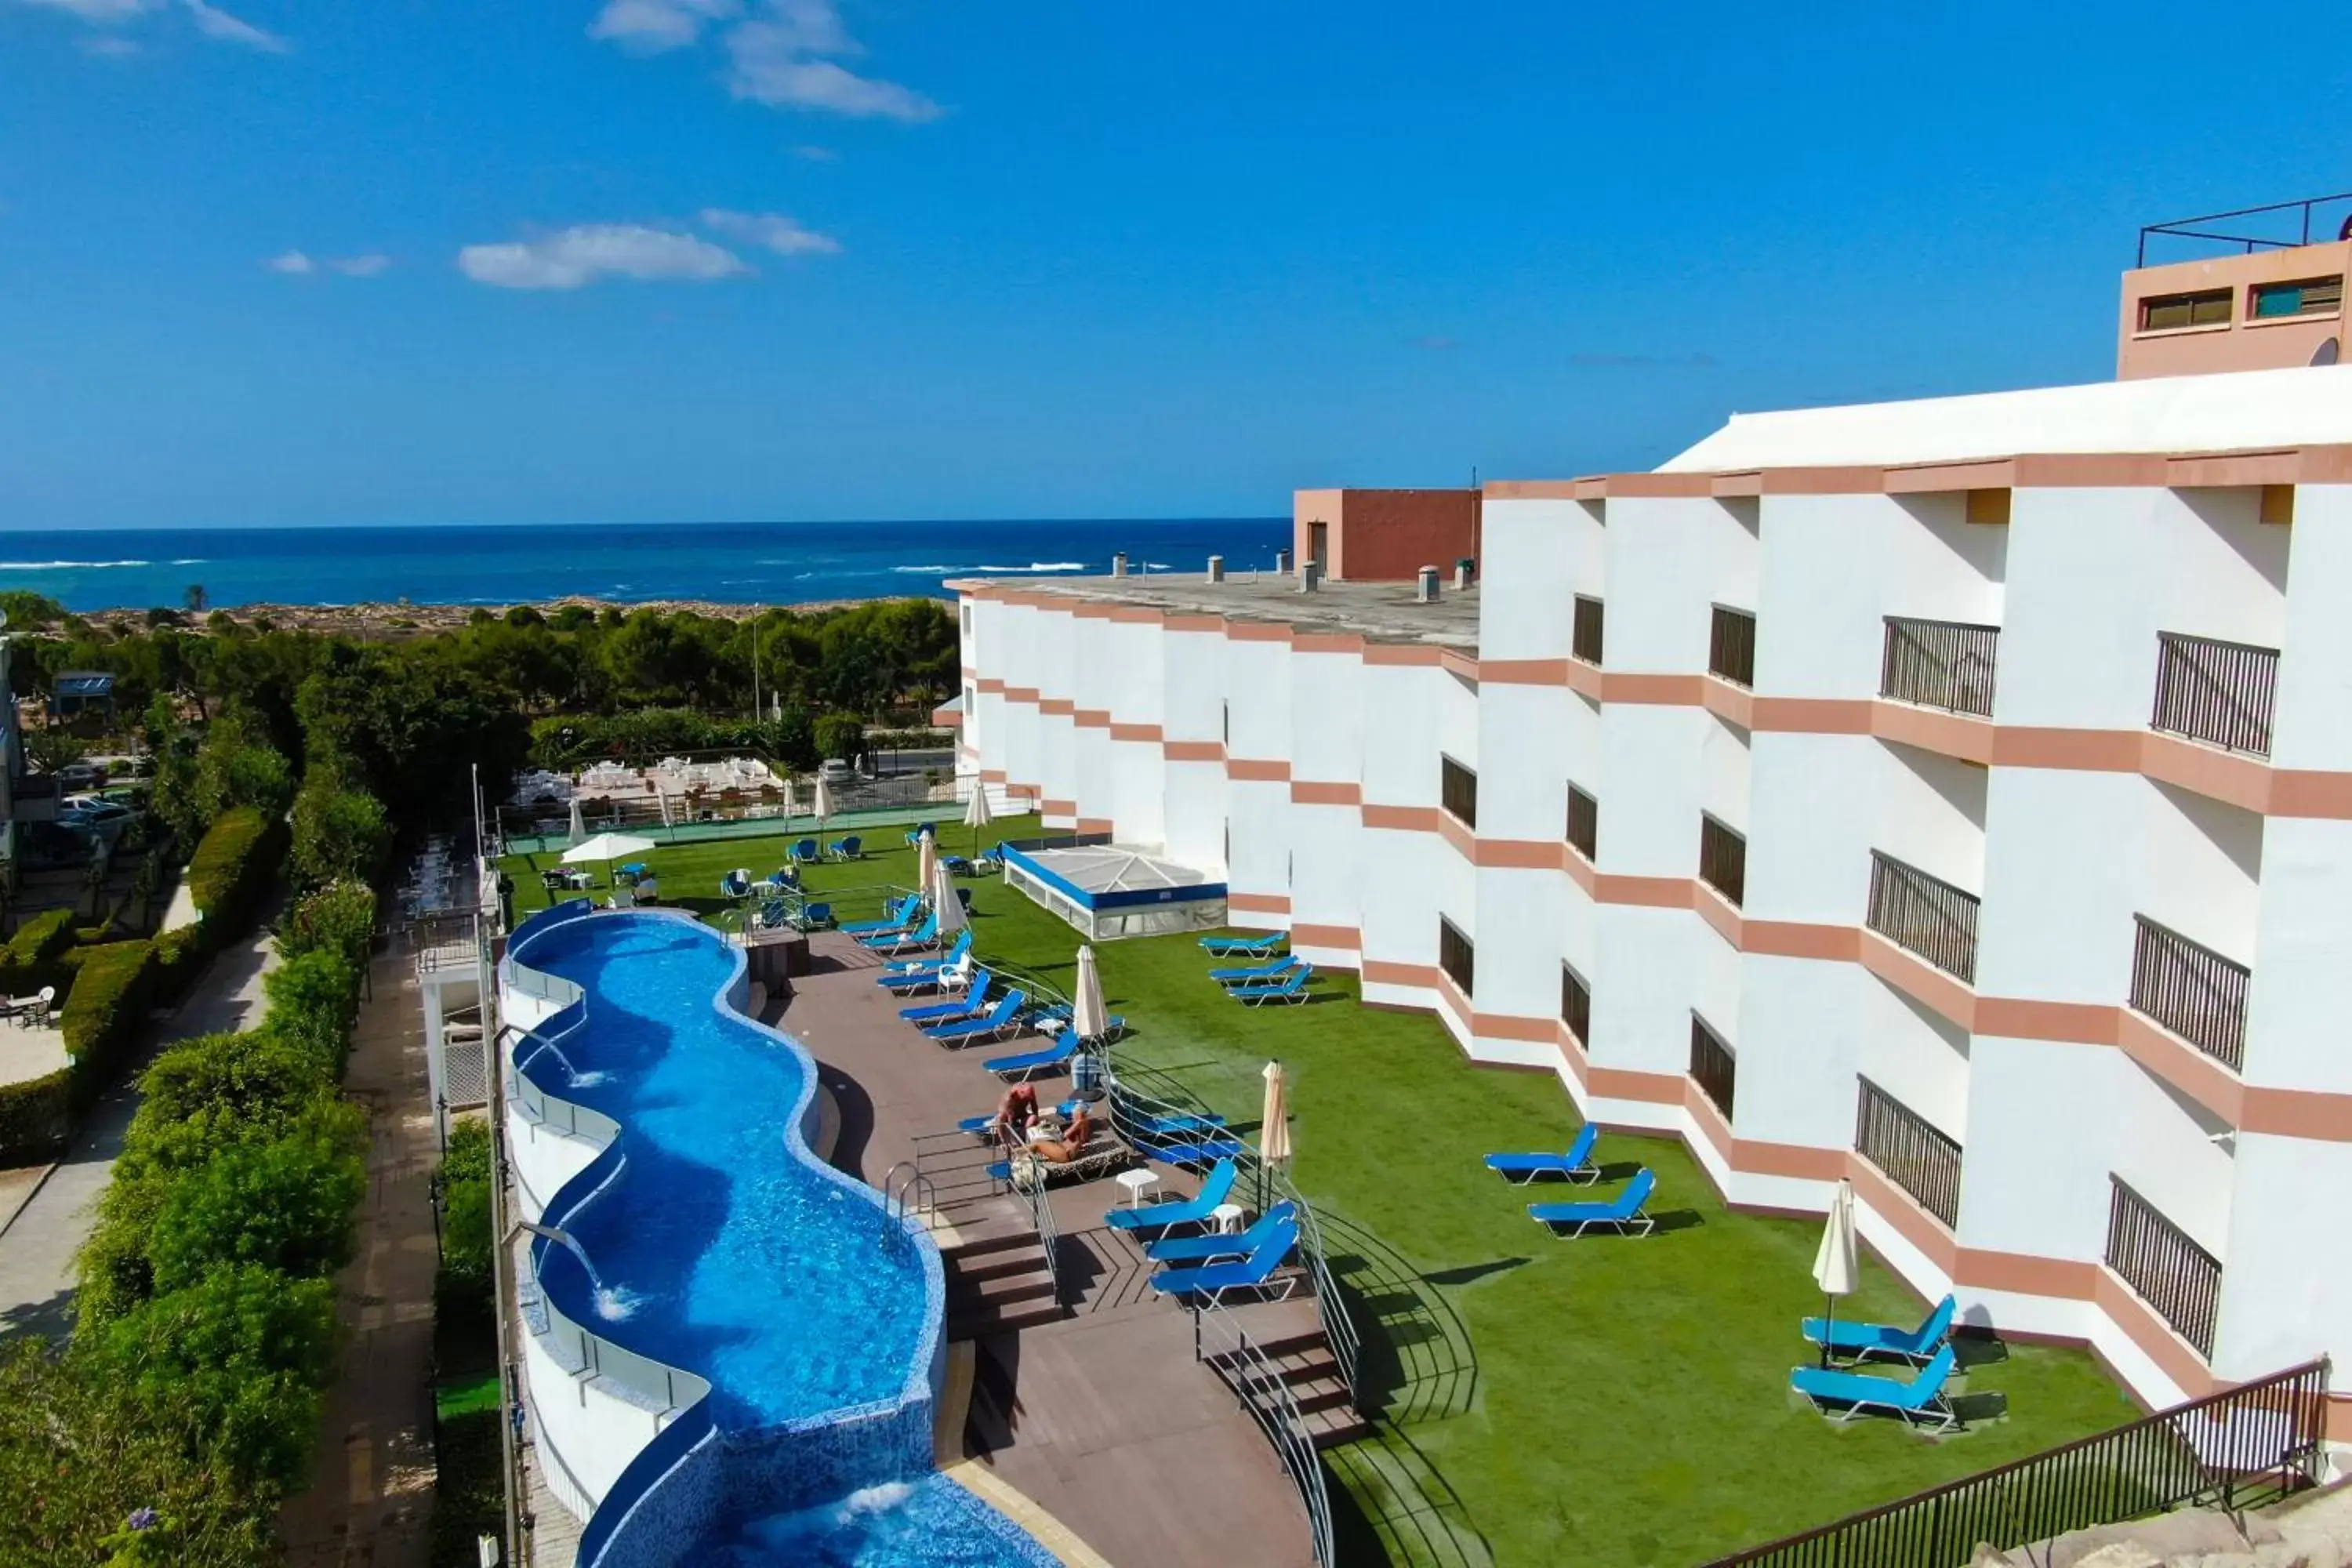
[1939, 664]
[1924, 914]
[2164, 1268]
[2193, 991]
[1915, 1154]
[2286, 226]
[2219, 692]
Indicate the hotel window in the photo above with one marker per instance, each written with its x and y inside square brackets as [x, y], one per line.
[970, 703]
[1458, 792]
[1584, 638]
[2165, 312]
[2305, 297]
[1722, 859]
[964, 615]
[1583, 823]
[1731, 646]
[1455, 955]
[1576, 1006]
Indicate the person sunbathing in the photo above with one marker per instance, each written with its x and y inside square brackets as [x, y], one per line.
[1017, 1110]
[1072, 1144]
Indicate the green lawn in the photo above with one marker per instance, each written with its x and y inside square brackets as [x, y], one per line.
[1610, 1403]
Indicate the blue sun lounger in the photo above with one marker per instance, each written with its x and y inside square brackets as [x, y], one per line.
[912, 974]
[1575, 1165]
[1860, 1342]
[989, 1026]
[1209, 1249]
[1215, 1282]
[803, 852]
[1158, 1218]
[1189, 1150]
[1242, 974]
[1290, 990]
[1919, 1399]
[1028, 1062]
[1622, 1213]
[979, 1126]
[1264, 946]
[850, 848]
[1184, 1125]
[924, 935]
[902, 915]
[971, 1002]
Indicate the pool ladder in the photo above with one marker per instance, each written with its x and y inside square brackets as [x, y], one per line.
[910, 1193]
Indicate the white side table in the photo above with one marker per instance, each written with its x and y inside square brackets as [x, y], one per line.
[1136, 1182]
[1225, 1219]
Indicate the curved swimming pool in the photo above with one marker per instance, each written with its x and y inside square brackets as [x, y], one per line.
[710, 1239]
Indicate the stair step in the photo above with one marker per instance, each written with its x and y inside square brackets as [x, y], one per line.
[1027, 1285]
[1330, 1428]
[1320, 1394]
[970, 1241]
[993, 1264]
[979, 1322]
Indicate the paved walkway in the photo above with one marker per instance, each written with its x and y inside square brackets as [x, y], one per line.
[38, 1246]
[370, 1495]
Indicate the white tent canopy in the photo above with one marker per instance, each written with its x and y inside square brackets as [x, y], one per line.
[607, 847]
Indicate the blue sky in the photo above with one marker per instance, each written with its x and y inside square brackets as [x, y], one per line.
[279, 263]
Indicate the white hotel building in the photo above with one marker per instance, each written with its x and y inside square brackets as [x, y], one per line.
[1952, 796]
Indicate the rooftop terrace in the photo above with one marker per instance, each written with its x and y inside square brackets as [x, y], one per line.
[1382, 612]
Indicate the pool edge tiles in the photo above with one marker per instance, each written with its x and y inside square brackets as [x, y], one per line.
[671, 1470]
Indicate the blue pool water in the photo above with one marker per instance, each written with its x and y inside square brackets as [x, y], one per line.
[720, 1248]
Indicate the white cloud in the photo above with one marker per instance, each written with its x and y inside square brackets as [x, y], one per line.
[811, 153]
[653, 25]
[108, 46]
[293, 263]
[573, 257]
[208, 20]
[216, 23]
[302, 264]
[366, 265]
[784, 235]
[786, 54]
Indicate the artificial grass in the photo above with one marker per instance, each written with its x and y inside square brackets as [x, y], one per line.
[1611, 1402]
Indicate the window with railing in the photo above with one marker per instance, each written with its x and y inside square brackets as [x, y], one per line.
[2190, 989]
[2216, 691]
[1576, 1004]
[1939, 664]
[1712, 1067]
[2166, 1269]
[1731, 646]
[1722, 858]
[1910, 1151]
[1583, 823]
[1924, 914]
[1584, 637]
[1456, 955]
[1458, 791]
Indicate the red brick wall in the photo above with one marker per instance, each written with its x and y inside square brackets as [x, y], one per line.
[1387, 536]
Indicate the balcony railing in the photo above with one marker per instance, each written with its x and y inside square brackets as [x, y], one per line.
[2166, 1269]
[1585, 636]
[1939, 664]
[1712, 1066]
[1458, 791]
[1731, 646]
[2193, 991]
[2220, 692]
[1584, 822]
[1925, 915]
[1914, 1155]
[1722, 858]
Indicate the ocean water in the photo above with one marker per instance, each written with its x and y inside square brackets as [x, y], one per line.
[736, 563]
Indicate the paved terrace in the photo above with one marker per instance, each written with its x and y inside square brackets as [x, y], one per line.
[1382, 612]
[1102, 1418]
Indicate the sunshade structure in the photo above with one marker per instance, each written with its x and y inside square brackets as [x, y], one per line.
[927, 861]
[579, 827]
[823, 805]
[1108, 890]
[976, 812]
[1090, 1020]
[946, 901]
[1274, 1122]
[607, 847]
[1834, 1263]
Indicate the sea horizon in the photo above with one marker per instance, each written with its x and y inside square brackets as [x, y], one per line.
[89, 569]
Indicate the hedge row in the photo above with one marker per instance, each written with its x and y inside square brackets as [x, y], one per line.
[42, 939]
[103, 1012]
[36, 1118]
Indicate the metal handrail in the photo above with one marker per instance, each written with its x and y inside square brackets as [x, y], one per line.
[2179, 228]
[1265, 1394]
[1132, 1106]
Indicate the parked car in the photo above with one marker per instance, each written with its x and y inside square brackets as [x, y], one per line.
[81, 776]
[833, 771]
[45, 845]
[106, 818]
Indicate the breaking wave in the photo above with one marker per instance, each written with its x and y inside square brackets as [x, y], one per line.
[73, 565]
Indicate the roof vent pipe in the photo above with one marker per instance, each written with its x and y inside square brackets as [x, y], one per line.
[1216, 568]
[1465, 571]
[1426, 590]
[1310, 577]
[1119, 565]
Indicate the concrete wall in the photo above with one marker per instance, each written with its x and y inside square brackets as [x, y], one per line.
[1385, 536]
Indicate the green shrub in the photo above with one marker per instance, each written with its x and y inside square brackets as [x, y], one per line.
[314, 1000]
[212, 1092]
[229, 1366]
[35, 1118]
[179, 954]
[43, 938]
[104, 1014]
[339, 918]
[285, 1205]
[337, 832]
[232, 869]
[463, 1287]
